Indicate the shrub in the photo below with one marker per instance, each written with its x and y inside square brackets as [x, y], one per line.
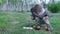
[54, 7]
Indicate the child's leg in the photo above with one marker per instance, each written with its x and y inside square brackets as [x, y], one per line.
[37, 25]
[37, 21]
[48, 24]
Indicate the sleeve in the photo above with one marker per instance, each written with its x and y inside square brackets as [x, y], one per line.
[32, 14]
[47, 13]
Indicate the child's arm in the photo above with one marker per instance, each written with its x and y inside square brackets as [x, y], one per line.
[32, 15]
[46, 20]
[46, 17]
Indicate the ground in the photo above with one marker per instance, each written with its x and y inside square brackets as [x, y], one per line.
[13, 22]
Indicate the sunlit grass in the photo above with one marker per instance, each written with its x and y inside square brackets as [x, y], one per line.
[8, 19]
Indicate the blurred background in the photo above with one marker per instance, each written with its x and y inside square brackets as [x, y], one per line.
[14, 14]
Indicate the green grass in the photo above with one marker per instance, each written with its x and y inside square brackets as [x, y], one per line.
[13, 23]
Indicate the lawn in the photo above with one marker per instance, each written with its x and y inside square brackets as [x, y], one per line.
[13, 22]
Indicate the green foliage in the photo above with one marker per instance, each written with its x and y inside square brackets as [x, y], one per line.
[7, 18]
[54, 7]
[2, 1]
[13, 1]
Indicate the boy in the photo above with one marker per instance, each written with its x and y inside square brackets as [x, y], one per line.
[40, 15]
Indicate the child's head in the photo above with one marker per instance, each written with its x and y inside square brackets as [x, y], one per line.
[37, 8]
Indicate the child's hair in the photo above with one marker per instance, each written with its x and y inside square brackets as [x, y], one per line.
[37, 8]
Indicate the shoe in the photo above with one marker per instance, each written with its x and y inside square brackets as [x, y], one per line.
[47, 28]
[36, 27]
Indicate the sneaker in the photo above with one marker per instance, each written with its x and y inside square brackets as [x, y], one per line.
[47, 28]
[36, 27]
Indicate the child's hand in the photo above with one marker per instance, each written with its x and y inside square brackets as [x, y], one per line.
[46, 18]
[32, 18]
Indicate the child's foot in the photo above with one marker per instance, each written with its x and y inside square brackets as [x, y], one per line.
[47, 28]
[36, 27]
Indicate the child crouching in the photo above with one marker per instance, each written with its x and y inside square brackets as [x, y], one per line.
[40, 15]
